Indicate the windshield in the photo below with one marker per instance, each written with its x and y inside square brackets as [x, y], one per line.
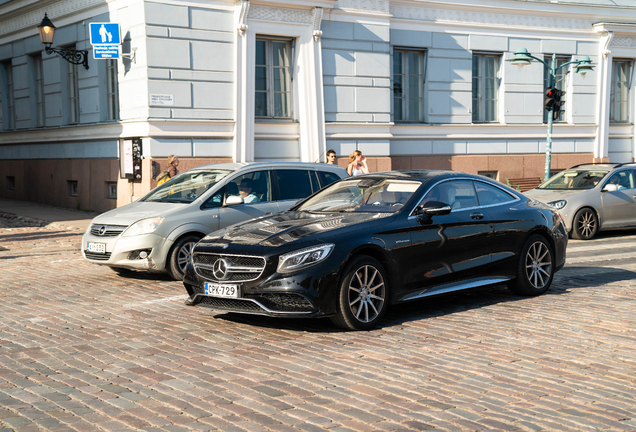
[186, 187]
[374, 195]
[574, 180]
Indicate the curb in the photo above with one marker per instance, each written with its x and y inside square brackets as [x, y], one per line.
[33, 222]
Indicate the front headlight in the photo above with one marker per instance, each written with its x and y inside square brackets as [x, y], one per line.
[558, 205]
[303, 258]
[144, 226]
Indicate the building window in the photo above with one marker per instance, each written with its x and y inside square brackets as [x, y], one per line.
[619, 93]
[73, 93]
[408, 83]
[10, 182]
[111, 90]
[273, 78]
[559, 83]
[112, 189]
[72, 187]
[7, 90]
[485, 87]
[489, 174]
[39, 90]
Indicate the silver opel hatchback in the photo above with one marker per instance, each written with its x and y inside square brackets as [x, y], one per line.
[592, 197]
[157, 232]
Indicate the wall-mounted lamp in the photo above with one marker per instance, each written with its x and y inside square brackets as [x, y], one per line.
[47, 32]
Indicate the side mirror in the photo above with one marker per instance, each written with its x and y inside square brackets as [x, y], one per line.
[233, 200]
[433, 208]
[610, 187]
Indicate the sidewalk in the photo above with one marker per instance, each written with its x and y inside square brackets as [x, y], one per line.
[62, 217]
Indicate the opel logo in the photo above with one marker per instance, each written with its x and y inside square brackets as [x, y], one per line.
[102, 230]
[220, 269]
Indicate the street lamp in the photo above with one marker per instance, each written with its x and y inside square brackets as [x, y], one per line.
[583, 65]
[47, 32]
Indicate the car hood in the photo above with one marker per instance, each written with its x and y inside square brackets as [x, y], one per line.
[133, 212]
[548, 195]
[288, 227]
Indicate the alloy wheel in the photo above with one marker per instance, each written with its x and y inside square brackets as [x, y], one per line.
[184, 254]
[587, 224]
[366, 293]
[538, 265]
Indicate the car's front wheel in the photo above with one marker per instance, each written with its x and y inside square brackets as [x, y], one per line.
[179, 256]
[535, 269]
[363, 295]
[585, 224]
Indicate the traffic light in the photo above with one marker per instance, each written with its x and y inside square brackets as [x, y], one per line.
[558, 103]
[552, 100]
[549, 98]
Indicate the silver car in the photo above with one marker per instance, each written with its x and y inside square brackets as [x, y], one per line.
[157, 232]
[592, 197]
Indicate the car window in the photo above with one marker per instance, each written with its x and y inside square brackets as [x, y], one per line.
[458, 194]
[253, 187]
[216, 200]
[326, 178]
[573, 179]
[372, 195]
[293, 184]
[186, 187]
[622, 179]
[491, 195]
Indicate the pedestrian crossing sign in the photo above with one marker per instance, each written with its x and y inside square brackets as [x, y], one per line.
[105, 34]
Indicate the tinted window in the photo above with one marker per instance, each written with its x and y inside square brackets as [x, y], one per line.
[326, 178]
[489, 195]
[293, 184]
[622, 179]
[458, 194]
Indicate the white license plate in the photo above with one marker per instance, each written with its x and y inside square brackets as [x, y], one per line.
[96, 247]
[216, 290]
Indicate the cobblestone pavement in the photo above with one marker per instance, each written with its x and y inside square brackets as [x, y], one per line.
[84, 349]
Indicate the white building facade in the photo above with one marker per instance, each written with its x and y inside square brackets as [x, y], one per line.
[412, 84]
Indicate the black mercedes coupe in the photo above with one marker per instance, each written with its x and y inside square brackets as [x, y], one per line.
[366, 242]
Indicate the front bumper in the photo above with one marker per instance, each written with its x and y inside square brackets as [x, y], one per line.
[123, 252]
[311, 292]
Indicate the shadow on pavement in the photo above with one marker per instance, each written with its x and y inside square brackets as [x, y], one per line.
[446, 304]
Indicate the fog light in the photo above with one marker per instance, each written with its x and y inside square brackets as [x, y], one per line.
[143, 254]
[139, 254]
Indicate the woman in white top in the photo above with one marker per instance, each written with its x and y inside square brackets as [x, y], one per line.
[358, 165]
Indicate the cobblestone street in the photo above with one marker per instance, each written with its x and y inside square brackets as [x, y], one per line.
[85, 349]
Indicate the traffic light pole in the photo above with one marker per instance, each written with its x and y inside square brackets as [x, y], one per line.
[548, 144]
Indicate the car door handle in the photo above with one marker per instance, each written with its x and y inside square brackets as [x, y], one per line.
[477, 216]
[634, 197]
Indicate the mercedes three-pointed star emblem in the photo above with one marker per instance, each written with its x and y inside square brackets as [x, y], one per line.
[220, 269]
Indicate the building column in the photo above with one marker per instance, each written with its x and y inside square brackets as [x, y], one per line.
[604, 82]
[243, 127]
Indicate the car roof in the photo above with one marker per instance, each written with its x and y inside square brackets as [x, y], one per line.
[234, 166]
[600, 166]
[421, 174]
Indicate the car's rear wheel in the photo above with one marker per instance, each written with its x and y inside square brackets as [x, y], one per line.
[179, 256]
[585, 224]
[535, 270]
[363, 295]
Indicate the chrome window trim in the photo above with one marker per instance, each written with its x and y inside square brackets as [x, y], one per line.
[516, 198]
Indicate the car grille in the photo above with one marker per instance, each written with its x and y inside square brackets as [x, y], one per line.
[230, 305]
[97, 256]
[108, 230]
[260, 303]
[284, 302]
[240, 268]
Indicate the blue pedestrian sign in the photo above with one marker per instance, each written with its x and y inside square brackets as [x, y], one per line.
[105, 34]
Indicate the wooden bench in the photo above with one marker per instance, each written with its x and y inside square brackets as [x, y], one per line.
[525, 184]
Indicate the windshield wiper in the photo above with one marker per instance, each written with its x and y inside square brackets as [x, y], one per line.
[171, 201]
